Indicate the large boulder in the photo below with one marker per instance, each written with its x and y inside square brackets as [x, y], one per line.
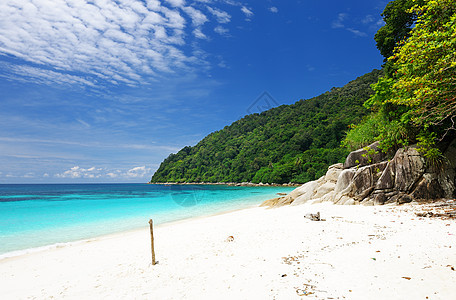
[410, 166]
[402, 172]
[364, 181]
[333, 172]
[324, 189]
[307, 191]
[344, 180]
[428, 188]
[447, 176]
[386, 180]
[363, 157]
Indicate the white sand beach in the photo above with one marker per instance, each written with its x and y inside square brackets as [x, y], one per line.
[381, 252]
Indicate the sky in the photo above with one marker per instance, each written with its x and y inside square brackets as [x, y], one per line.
[104, 90]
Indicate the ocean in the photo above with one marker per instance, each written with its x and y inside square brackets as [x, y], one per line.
[46, 215]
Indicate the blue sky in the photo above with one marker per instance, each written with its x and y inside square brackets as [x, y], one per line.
[104, 90]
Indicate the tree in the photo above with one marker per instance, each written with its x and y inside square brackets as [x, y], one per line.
[426, 66]
[398, 24]
[417, 103]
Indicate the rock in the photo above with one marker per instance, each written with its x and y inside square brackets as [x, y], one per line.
[428, 188]
[345, 177]
[314, 217]
[324, 189]
[328, 197]
[271, 202]
[349, 201]
[386, 180]
[362, 184]
[363, 157]
[306, 192]
[370, 181]
[333, 172]
[446, 180]
[379, 199]
[363, 181]
[315, 201]
[404, 198]
[341, 200]
[409, 168]
[368, 202]
[448, 175]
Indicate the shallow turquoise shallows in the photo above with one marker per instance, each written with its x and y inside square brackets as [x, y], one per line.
[37, 215]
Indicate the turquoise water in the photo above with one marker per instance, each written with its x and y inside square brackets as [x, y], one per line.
[37, 215]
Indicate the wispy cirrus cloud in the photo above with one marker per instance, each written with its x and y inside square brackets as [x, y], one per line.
[88, 144]
[248, 12]
[221, 30]
[25, 73]
[118, 42]
[340, 23]
[222, 16]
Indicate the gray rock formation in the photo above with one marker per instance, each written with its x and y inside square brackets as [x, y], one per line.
[366, 178]
[363, 157]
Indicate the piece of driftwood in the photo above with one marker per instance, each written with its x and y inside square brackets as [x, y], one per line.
[151, 223]
[314, 217]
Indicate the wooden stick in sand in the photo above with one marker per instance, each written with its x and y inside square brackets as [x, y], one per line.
[152, 240]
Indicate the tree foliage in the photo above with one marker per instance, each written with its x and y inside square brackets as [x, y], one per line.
[426, 66]
[417, 103]
[290, 143]
[399, 20]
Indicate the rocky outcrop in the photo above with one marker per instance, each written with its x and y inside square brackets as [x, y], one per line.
[363, 157]
[367, 178]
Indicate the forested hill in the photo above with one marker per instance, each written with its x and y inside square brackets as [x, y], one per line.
[289, 143]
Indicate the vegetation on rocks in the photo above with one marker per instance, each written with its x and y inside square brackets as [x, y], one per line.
[416, 101]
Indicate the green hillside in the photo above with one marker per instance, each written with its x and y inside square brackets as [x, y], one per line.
[290, 143]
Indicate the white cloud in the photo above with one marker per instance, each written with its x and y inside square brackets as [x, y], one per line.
[274, 9]
[339, 22]
[357, 32]
[176, 2]
[26, 73]
[198, 18]
[199, 34]
[78, 172]
[221, 16]
[138, 172]
[367, 19]
[246, 11]
[221, 30]
[88, 144]
[90, 42]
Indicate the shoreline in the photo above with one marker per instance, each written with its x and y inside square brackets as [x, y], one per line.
[359, 252]
[33, 250]
[15, 244]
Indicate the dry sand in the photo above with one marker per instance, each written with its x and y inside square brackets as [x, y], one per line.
[382, 252]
